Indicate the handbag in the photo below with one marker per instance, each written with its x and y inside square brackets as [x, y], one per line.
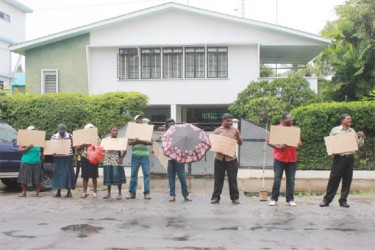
[95, 153]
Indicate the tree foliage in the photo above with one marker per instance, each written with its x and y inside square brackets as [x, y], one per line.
[263, 102]
[351, 55]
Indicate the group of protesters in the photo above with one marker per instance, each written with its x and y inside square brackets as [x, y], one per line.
[285, 159]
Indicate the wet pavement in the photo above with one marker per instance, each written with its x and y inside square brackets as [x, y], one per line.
[75, 223]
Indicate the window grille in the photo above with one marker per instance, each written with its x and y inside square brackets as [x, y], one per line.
[194, 62]
[151, 63]
[217, 62]
[49, 81]
[127, 64]
[172, 62]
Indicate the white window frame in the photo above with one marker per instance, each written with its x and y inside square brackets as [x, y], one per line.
[42, 83]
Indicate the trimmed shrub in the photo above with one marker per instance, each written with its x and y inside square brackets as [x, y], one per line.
[46, 111]
[316, 122]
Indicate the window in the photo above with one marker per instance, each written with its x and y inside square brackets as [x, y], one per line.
[49, 81]
[194, 62]
[150, 63]
[172, 63]
[127, 65]
[217, 62]
[4, 16]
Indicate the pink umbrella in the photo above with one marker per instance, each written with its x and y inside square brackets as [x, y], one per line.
[185, 143]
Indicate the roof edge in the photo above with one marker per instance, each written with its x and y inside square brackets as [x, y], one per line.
[19, 6]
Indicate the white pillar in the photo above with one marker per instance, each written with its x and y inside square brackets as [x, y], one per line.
[174, 112]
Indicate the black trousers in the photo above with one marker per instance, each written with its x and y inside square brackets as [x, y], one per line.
[342, 168]
[231, 167]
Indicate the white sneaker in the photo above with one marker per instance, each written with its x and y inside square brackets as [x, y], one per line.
[272, 203]
[292, 204]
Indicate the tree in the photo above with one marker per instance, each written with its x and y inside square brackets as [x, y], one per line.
[351, 55]
[263, 102]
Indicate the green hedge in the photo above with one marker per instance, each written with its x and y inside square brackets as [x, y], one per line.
[46, 111]
[316, 122]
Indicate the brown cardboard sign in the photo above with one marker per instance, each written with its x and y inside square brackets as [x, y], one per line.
[119, 144]
[34, 137]
[57, 147]
[159, 154]
[223, 144]
[341, 143]
[85, 136]
[141, 131]
[285, 135]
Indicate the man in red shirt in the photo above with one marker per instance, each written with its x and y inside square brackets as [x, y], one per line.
[285, 158]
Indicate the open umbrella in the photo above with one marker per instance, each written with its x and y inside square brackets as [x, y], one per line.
[185, 143]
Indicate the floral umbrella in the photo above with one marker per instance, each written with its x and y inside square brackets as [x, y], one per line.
[185, 143]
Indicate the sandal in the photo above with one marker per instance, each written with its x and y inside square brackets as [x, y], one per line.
[57, 195]
[107, 197]
[22, 195]
[68, 195]
[95, 196]
[119, 197]
[38, 195]
[84, 195]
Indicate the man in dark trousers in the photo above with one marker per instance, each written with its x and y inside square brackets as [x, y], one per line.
[342, 166]
[226, 163]
[285, 159]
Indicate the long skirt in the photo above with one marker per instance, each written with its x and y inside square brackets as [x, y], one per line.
[114, 175]
[89, 170]
[30, 174]
[63, 172]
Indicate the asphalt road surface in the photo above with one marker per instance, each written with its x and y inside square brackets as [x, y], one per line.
[74, 223]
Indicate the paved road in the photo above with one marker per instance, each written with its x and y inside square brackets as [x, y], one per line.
[60, 223]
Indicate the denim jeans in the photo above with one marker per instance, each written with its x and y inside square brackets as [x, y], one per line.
[179, 168]
[290, 173]
[136, 162]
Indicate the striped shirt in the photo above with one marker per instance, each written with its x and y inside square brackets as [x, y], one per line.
[141, 150]
[68, 136]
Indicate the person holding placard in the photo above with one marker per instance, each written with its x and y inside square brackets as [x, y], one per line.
[173, 168]
[30, 170]
[226, 163]
[140, 157]
[342, 166]
[285, 159]
[113, 172]
[63, 165]
[88, 170]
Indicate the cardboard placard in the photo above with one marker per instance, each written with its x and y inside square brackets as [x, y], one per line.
[57, 147]
[341, 143]
[141, 131]
[85, 136]
[285, 135]
[34, 137]
[223, 144]
[159, 154]
[118, 144]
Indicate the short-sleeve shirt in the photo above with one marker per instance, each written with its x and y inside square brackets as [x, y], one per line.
[32, 156]
[341, 130]
[228, 132]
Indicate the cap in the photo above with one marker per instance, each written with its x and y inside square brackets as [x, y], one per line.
[30, 128]
[138, 117]
[89, 125]
[61, 128]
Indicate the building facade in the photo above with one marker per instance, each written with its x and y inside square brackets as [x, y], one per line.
[190, 62]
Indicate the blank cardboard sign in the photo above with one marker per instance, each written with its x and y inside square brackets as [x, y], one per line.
[28, 137]
[341, 143]
[285, 135]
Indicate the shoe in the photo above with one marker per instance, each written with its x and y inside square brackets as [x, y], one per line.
[95, 196]
[84, 195]
[272, 203]
[344, 204]
[172, 198]
[292, 204]
[147, 196]
[215, 201]
[22, 195]
[68, 195]
[38, 195]
[106, 197]
[130, 196]
[324, 204]
[187, 198]
[236, 201]
[57, 195]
